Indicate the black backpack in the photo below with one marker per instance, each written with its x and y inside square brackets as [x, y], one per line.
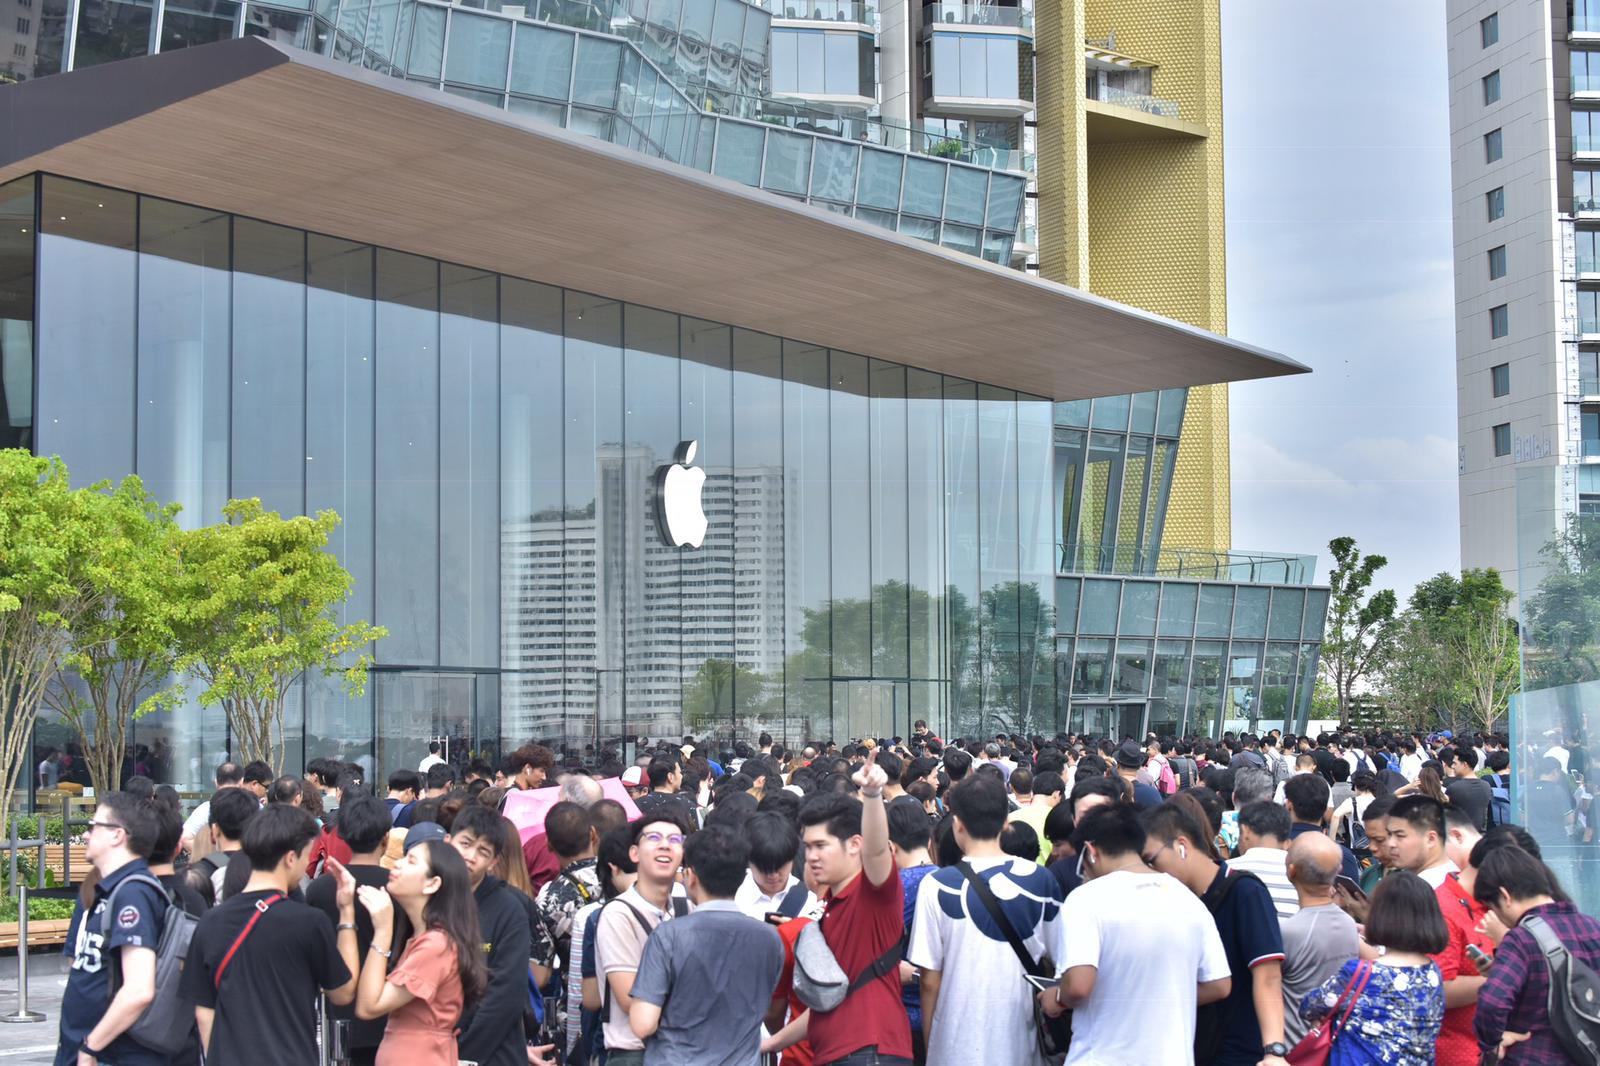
[167, 1023]
[1209, 1029]
[1574, 995]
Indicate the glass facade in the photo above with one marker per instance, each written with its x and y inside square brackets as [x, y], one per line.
[977, 66]
[880, 542]
[1173, 657]
[1554, 716]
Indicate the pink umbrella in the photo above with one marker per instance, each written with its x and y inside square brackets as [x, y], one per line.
[527, 808]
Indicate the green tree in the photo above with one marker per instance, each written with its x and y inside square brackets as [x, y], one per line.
[124, 648]
[722, 693]
[51, 568]
[1361, 623]
[1455, 658]
[260, 610]
[1017, 631]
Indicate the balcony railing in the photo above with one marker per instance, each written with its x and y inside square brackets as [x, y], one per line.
[1585, 83]
[823, 10]
[1252, 567]
[1591, 447]
[1584, 23]
[891, 135]
[1588, 386]
[977, 15]
[1588, 325]
[1150, 105]
[1584, 204]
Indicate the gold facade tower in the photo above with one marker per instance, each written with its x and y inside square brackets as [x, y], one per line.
[1129, 109]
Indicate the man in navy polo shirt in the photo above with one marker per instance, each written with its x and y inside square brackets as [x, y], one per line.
[1246, 1028]
[93, 1015]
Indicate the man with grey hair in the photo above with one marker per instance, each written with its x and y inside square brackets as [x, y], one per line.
[1321, 937]
[1250, 785]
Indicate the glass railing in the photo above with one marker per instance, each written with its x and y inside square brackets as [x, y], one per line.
[1584, 204]
[1029, 235]
[1587, 264]
[888, 135]
[1591, 447]
[1588, 326]
[1589, 386]
[1263, 568]
[1586, 144]
[977, 15]
[1150, 105]
[1584, 23]
[823, 10]
[1585, 83]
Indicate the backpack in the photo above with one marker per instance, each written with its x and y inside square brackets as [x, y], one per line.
[1185, 770]
[168, 1022]
[1210, 1021]
[1499, 800]
[1574, 995]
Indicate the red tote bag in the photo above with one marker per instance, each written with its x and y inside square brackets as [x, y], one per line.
[1315, 1047]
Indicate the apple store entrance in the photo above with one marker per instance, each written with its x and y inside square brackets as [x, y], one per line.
[415, 707]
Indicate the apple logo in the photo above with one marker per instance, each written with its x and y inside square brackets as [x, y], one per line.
[679, 515]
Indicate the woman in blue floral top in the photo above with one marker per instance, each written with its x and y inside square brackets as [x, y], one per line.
[1395, 1020]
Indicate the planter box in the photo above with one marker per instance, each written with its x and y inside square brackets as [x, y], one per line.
[40, 932]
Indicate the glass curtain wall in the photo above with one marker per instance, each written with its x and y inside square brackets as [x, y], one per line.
[1186, 657]
[880, 538]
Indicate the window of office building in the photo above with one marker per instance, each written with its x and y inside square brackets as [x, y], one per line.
[1493, 146]
[1585, 71]
[1585, 16]
[1586, 131]
[979, 65]
[1489, 29]
[1491, 87]
[1587, 242]
[1502, 439]
[814, 62]
[1499, 322]
[1497, 262]
[1495, 200]
[1500, 379]
[1585, 191]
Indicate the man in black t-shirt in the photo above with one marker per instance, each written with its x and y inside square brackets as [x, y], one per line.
[1463, 785]
[258, 960]
[364, 825]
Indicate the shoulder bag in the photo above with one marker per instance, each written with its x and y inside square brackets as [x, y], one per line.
[1317, 1045]
[1053, 1035]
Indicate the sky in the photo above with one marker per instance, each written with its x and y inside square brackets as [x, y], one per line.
[1337, 161]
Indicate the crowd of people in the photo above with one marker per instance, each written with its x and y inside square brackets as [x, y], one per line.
[889, 901]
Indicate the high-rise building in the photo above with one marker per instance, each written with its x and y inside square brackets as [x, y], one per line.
[1526, 176]
[936, 487]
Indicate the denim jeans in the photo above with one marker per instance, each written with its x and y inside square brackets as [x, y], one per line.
[868, 1056]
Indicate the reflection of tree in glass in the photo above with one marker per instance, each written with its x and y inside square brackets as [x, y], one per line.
[1562, 618]
[723, 695]
[1000, 658]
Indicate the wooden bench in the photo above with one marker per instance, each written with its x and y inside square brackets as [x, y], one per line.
[41, 932]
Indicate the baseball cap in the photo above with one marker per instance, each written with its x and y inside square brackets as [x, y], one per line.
[423, 832]
[1130, 754]
[633, 776]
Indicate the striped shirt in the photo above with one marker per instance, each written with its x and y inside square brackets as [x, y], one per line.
[1272, 866]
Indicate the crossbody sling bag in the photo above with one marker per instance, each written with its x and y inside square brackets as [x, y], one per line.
[820, 982]
[261, 907]
[1052, 1035]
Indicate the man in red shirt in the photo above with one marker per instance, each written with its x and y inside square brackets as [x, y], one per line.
[847, 854]
[1417, 842]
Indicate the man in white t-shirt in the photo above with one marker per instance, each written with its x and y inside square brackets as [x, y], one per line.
[1142, 955]
[977, 1005]
[432, 759]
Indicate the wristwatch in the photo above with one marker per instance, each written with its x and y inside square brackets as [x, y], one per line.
[1279, 1048]
[87, 1050]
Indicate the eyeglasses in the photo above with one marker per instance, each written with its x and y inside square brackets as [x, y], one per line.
[657, 839]
[1150, 860]
[106, 825]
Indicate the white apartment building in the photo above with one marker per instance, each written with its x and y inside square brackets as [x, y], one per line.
[1525, 140]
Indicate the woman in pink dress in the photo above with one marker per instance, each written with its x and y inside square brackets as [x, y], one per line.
[442, 967]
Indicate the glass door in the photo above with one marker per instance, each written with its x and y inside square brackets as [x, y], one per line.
[414, 707]
[876, 709]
